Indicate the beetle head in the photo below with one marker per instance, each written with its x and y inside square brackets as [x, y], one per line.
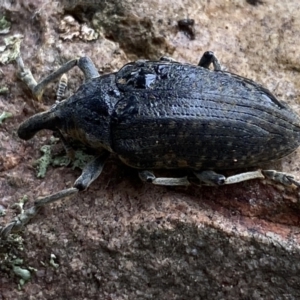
[85, 116]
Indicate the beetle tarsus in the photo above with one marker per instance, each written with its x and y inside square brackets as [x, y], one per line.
[281, 177]
[18, 223]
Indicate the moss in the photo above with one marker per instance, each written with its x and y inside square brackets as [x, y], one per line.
[4, 90]
[4, 25]
[11, 50]
[5, 115]
[44, 161]
[80, 160]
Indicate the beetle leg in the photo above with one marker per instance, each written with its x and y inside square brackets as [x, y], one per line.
[148, 176]
[209, 58]
[90, 172]
[84, 63]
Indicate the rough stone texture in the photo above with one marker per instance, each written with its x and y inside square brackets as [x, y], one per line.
[123, 239]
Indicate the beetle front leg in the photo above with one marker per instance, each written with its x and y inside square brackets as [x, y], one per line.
[84, 63]
[90, 172]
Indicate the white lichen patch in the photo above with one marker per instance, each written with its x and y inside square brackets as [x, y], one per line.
[11, 48]
[71, 29]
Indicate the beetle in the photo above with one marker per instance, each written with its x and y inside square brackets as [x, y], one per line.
[167, 115]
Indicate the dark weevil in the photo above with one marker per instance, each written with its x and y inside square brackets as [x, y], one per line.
[166, 115]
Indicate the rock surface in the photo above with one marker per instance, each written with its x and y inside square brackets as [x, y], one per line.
[123, 239]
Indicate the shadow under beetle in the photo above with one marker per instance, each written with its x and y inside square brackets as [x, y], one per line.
[166, 115]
